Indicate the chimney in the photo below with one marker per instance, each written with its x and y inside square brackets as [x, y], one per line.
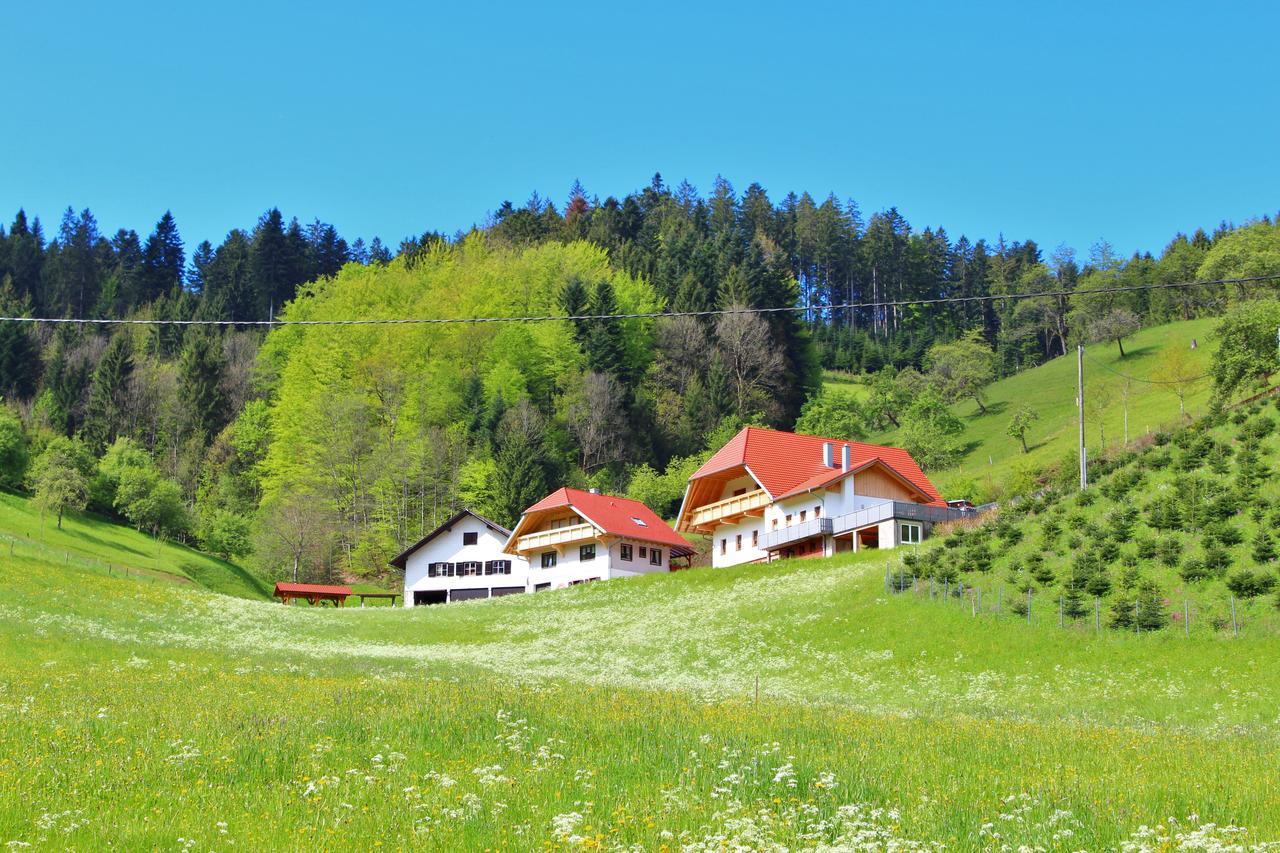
[594, 490]
[826, 454]
[844, 458]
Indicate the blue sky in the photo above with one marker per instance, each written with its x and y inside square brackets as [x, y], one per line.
[1061, 123]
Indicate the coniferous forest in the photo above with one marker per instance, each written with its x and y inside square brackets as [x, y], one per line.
[330, 448]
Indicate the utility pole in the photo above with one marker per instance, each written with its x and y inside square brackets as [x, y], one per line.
[1084, 464]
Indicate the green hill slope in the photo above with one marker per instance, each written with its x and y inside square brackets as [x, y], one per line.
[992, 456]
[156, 715]
[97, 544]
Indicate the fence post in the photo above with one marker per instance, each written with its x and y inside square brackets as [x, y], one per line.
[1097, 614]
[1000, 599]
[946, 588]
[1059, 611]
[1186, 617]
[1235, 626]
[886, 578]
[1137, 623]
[1028, 605]
[978, 606]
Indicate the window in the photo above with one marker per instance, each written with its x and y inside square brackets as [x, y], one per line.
[644, 552]
[587, 552]
[468, 569]
[817, 512]
[737, 492]
[788, 519]
[737, 542]
[755, 539]
[539, 587]
[775, 524]
[624, 551]
[470, 538]
[639, 521]
[724, 546]
[655, 556]
[803, 513]
[548, 559]
[497, 567]
[439, 570]
[909, 534]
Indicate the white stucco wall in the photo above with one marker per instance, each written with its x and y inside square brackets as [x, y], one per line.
[448, 548]
[608, 563]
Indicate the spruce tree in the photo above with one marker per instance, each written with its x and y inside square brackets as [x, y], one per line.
[200, 371]
[163, 259]
[107, 410]
[1264, 547]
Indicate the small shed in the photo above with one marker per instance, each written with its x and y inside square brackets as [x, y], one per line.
[312, 593]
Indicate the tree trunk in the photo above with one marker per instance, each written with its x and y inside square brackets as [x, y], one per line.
[59, 518]
[1023, 439]
[295, 568]
[1120, 344]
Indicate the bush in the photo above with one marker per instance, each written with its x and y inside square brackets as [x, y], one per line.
[13, 451]
[1099, 584]
[1264, 547]
[1147, 547]
[1194, 570]
[1170, 552]
[1216, 559]
[1250, 584]
[1087, 498]
[1141, 611]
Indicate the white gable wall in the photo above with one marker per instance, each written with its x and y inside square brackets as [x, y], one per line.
[448, 548]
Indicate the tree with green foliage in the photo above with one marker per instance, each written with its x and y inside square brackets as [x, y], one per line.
[151, 501]
[226, 534]
[962, 368]
[200, 373]
[832, 415]
[19, 352]
[107, 412]
[1264, 547]
[931, 433]
[521, 462]
[1020, 423]
[1247, 347]
[59, 476]
[13, 451]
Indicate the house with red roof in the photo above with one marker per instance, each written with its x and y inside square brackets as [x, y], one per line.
[771, 495]
[573, 536]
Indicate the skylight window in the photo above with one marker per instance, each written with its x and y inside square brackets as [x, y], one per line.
[639, 521]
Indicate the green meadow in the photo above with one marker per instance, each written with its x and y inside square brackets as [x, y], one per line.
[991, 456]
[788, 706]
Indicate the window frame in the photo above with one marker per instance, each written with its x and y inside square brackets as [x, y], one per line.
[917, 532]
[624, 552]
[655, 556]
[587, 552]
[549, 559]
[470, 537]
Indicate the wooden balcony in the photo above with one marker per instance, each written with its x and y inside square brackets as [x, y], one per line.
[556, 537]
[728, 510]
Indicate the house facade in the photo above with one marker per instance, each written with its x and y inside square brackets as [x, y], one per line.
[461, 560]
[574, 536]
[770, 495]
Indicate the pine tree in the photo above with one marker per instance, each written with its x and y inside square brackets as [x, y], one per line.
[107, 410]
[1264, 547]
[163, 259]
[522, 469]
[605, 349]
[19, 352]
[200, 370]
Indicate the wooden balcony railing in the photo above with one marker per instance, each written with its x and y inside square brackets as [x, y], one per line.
[556, 536]
[728, 510]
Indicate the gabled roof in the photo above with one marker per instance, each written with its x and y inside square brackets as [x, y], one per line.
[613, 515]
[401, 559]
[782, 461]
[830, 476]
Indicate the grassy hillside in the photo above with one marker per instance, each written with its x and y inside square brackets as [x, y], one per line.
[158, 715]
[992, 456]
[1178, 529]
[94, 543]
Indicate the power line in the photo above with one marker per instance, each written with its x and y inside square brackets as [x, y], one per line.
[1186, 381]
[713, 312]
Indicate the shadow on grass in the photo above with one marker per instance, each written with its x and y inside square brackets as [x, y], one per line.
[993, 408]
[104, 543]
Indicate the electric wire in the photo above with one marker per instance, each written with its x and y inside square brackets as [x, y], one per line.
[642, 315]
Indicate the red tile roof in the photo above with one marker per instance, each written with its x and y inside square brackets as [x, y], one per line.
[615, 516]
[786, 462]
[304, 588]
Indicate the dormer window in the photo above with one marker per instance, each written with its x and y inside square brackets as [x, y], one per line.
[639, 521]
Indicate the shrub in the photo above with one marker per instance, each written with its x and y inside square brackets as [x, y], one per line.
[1158, 460]
[1170, 552]
[1216, 559]
[1043, 574]
[1223, 533]
[1141, 611]
[1108, 552]
[1074, 542]
[1147, 547]
[1264, 547]
[1247, 583]
[1099, 584]
[1194, 570]
[1086, 498]
[1073, 604]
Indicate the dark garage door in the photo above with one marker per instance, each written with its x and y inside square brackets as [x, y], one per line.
[468, 594]
[429, 596]
[506, 590]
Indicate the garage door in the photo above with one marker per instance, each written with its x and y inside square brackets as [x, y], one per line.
[468, 594]
[506, 590]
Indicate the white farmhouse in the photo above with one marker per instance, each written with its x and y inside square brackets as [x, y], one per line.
[770, 495]
[572, 537]
[461, 560]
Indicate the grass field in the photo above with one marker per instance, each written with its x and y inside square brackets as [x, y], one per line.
[991, 455]
[616, 716]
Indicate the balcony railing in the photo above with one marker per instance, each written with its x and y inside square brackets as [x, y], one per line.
[728, 509]
[904, 510]
[555, 536]
[783, 536]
